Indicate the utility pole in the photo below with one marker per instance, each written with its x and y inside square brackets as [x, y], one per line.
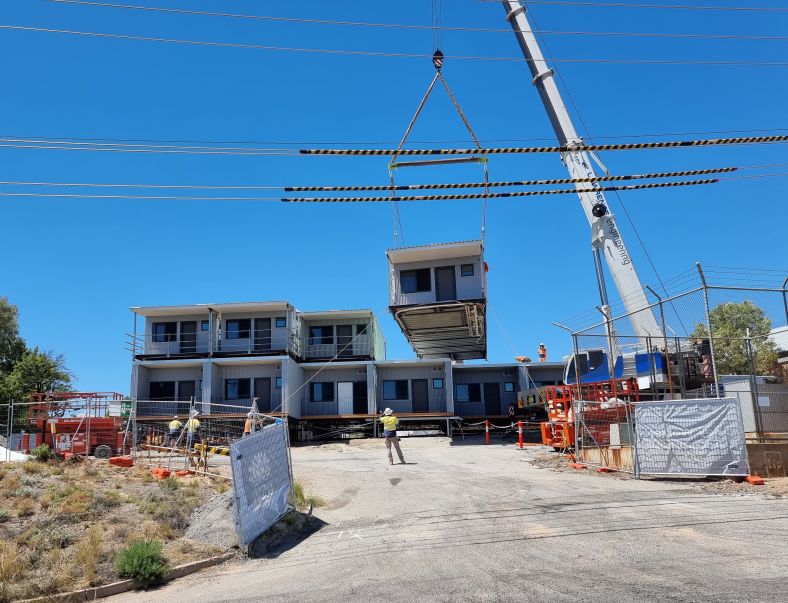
[606, 238]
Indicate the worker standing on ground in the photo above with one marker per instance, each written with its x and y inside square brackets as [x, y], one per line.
[192, 430]
[175, 430]
[542, 353]
[247, 426]
[390, 423]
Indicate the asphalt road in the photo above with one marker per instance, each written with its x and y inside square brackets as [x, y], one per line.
[481, 523]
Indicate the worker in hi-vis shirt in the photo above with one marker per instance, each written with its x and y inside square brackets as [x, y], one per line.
[390, 423]
[175, 430]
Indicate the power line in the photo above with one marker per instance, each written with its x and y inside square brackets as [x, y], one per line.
[406, 55]
[436, 24]
[138, 197]
[581, 147]
[497, 195]
[413, 187]
[92, 140]
[762, 9]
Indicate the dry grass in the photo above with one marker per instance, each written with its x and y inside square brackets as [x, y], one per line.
[62, 524]
[88, 554]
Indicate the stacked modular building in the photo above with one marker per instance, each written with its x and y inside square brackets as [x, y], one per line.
[330, 368]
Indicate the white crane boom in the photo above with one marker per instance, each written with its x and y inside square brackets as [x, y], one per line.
[606, 238]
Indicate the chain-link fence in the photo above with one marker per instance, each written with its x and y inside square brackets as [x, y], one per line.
[715, 338]
[192, 435]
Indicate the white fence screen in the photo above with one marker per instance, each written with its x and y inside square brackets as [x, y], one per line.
[690, 437]
[262, 478]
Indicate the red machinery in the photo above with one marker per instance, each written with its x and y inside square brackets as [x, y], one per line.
[559, 430]
[76, 423]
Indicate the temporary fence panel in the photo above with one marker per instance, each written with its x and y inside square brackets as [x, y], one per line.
[604, 434]
[690, 437]
[262, 478]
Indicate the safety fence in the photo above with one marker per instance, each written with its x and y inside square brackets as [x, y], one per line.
[703, 437]
[262, 479]
[711, 338]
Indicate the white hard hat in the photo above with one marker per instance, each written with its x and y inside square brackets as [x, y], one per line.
[388, 412]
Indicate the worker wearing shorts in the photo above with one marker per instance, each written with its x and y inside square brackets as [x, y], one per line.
[390, 423]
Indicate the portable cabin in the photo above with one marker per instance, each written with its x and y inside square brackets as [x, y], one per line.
[438, 297]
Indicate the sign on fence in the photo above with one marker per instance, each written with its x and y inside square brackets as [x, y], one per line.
[262, 479]
[690, 437]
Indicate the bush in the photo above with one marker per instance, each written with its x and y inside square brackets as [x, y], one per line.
[3, 515]
[42, 453]
[143, 561]
[169, 483]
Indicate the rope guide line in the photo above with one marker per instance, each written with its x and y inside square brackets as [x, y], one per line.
[415, 187]
[587, 147]
[498, 195]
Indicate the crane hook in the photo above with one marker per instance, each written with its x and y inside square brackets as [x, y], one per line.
[437, 59]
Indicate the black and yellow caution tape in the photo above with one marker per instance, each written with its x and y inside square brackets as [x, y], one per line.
[203, 448]
[630, 187]
[423, 187]
[586, 147]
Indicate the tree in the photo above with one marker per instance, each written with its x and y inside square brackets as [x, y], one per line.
[12, 346]
[36, 371]
[729, 324]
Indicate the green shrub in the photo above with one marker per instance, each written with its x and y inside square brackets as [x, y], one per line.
[169, 483]
[42, 453]
[143, 561]
[3, 515]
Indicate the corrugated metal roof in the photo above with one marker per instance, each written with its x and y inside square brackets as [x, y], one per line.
[222, 307]
[435, 251]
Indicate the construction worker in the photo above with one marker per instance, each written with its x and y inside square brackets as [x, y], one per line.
[390, 423]
[247, 426]
[175, 430]
[542, 351]
[192, 430]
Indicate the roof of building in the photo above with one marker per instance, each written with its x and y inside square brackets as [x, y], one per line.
[357, 313]
[435, 251]
[261, 306]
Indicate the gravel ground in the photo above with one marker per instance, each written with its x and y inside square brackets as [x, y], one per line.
[475, 522]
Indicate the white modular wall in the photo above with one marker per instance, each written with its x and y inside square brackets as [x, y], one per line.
[468, 287]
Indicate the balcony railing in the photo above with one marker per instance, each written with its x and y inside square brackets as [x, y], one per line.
[436, 403]
[167, 407]
[343, 405]
[169, 345]
[341, 347]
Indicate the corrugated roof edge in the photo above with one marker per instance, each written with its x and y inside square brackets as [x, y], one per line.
[479, 241]
[206, 306]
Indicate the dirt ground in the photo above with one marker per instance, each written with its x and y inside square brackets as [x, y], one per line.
[62, 523]
[776, 487]
[492, 523]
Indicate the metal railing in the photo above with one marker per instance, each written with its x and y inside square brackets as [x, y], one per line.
[339, 346]
[436, 403]
[248, 343]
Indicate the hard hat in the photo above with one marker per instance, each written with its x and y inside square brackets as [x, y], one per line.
[541, 344]
[175, 417]
[249, 414]
[388, 412]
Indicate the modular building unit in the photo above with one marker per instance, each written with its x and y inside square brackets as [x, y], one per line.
[413, 386]
[438, 297]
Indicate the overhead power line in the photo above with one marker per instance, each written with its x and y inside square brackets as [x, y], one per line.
[416, 187]
[520, 150]
[342, 23]
[406, 55]
[630, 187]
[760, 9]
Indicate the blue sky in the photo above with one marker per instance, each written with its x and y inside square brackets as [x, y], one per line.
[74, 267]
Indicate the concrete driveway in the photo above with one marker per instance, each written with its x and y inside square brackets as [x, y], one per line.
[481, 523]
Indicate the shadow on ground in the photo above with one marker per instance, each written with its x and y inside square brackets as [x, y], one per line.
[288, 532]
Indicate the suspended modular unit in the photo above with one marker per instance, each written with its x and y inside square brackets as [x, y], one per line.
[438, 296]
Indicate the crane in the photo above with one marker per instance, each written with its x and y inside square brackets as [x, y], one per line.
[606, 238]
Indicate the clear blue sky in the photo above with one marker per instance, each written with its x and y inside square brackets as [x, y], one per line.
[74, 267]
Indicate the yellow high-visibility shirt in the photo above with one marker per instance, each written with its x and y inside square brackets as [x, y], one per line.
[192, 425]
[390, 423]
[175, 424]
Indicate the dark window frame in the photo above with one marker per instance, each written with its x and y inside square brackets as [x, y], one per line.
[326, 388]
[321, 339]
[160, 383]
[362, 328]
[205, 325]
[239, 395]
[168, 334]
[463, 268]
[422, 280]
[401, 389]
[278, 383]
[438, 383]
[471, 388]
[242, 331]
[508, 387]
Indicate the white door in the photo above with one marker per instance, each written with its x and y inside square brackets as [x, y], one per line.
[345, 397]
